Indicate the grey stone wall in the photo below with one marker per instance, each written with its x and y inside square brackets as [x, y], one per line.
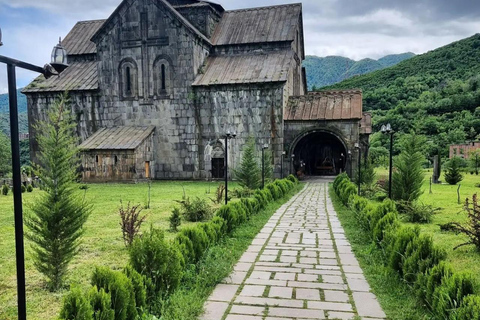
[255, 111]
[84, 109]
[205, 18]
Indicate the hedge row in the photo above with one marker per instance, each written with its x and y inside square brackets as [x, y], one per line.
[156, 266]
[413, 255]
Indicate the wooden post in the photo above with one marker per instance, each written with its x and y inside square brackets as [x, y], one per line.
[458, 193]
[431, 186]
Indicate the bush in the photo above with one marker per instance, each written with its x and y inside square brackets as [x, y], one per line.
[210, 231]
[282, 185]
[274, 190]
[390, 220]
[453, 174]
[417, 212]
[23, 188]
[29, 188]
[158, 260]
[427, 283]
[470, 309]
[396, 251]
[221, 225]
[120, 289]
[175, 220]
[267, 195]
[185, 247]
[248, 172]
[449, 295]
[420, 255]
[131, 221]
[139, 289]
[101, 304]
[199, 240]
[472, 227]
[5, 189]
[292, 178]
[76, 306]
[196, 210]
[229, 215]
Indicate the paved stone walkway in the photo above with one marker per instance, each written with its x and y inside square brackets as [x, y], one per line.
[300, 266]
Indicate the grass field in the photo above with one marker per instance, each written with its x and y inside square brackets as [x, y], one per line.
[102, 243]
[445, 197]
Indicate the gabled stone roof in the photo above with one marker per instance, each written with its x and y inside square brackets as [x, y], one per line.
[325, 105]
[252, 68]
[253, 25]
[117, 138]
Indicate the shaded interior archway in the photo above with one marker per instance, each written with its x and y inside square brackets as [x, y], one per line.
[320, 153]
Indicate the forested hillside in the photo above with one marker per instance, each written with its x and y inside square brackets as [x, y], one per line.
[22, 113]
[436, 94]
[332, 69]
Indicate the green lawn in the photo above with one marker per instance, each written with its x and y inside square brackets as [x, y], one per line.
[445, 197]
[102, 243]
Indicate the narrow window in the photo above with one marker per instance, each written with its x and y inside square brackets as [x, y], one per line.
[115, 160]
[163, 87]
[96, 159]
[128, 80]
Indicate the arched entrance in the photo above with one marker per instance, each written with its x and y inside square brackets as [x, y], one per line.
[320, 153]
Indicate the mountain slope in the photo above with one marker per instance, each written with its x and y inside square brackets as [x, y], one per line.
[22, 113]
[436, 94]
[332, 69]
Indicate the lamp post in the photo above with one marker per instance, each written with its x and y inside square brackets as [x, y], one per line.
[281, 164]
[387, 129]
[265, 146]
[359, 182]
[228, 136]
[350, 171]
[58, 64]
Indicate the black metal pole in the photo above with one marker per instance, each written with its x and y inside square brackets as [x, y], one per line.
[359, 168]
[390, 170]
[281, 167]
[17, 192]
[263, 168]
[226, 169]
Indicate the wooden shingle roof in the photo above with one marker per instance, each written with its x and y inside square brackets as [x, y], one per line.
[78, 76]
[78, 41]
[325, 105]
[252, 68]
[265, 24]
[117, 138]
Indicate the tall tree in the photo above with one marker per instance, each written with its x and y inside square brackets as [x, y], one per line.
[5, 154]
[248, 173]
[408, 175]
[56, 218]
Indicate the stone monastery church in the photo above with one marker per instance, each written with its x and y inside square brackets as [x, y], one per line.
[156, 86]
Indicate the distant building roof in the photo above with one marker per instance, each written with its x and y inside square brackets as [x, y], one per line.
[78, 76]
[117, 138]
[78, 41]
[325, 105]
[252, 68]
[265, 24]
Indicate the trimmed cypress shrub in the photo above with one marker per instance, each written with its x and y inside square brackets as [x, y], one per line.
[185, 247]
[158, 260]
[420, 255]
[199, 240]
[76, 306]
[403, 236]
[240, 210]
[292, 178]
[120, 289]
[5, 189]
[267, 195]
[209, 231]
[101, 304]
[29, 188]
[139, 289]
[470, 308]
[274, 190]
[427, 283]
[384, 225]
[220, 225]
[230, 216]
[449, 295]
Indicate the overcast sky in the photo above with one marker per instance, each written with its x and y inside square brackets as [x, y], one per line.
[353, 28]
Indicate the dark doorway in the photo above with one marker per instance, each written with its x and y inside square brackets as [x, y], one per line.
[320, 153]
[218, 168]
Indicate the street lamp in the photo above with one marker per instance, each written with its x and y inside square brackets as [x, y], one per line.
[291, 164]
[228, 136]
[58, 64]
[281, 164]
[265, 146]
[387, 129]
[357, 147]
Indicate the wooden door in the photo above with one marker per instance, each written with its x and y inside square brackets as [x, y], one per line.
[218, 168]
[147, 169]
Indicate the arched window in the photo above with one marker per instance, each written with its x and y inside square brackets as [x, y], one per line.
[128, 79]
[162, 76]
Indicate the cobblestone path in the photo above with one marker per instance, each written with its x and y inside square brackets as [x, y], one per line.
[300, 266]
